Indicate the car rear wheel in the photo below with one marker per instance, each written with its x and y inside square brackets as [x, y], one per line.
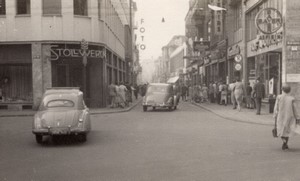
[39, 139]
[144, 108]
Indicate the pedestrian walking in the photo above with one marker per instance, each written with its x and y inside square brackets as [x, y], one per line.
[136, 91]
[112, 95]
[204, 93]
[224, 91]
[215, 92]
[259, 94]
[232, 98]
[248, 96]
[211, 93]
[239, 93]
[184, 91]
[121, 92]
[285, 115]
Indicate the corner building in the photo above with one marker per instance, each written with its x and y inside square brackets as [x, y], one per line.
[273, 47]
[61, 43]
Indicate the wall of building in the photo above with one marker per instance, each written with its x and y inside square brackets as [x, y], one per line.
[64, 27]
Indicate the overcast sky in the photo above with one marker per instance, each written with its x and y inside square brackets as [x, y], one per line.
[157, 34]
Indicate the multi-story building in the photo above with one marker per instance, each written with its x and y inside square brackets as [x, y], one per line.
[172, 61]
[265, 44]
[198, 32]
[62, 43]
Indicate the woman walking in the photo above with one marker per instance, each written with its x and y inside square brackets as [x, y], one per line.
[285, 115]
[238, 93]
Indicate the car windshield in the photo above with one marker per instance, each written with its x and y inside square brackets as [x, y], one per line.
[60, 103]
[157, 89]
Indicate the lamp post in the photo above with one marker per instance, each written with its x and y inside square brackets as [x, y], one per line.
[84, 47]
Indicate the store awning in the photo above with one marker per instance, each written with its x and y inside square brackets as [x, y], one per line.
[173, 80]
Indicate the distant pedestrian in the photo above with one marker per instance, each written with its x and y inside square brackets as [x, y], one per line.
[136, 91]
[204, 93]
[112, 95]
[224, 91]
[285, 115]
[239, 93]
[248, 96]
[211, 93]
[259, 94]
[184, 91]
[232, 98]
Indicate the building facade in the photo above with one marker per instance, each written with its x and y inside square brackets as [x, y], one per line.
[61, 43]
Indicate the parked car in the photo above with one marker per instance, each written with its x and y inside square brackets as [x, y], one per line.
[62, 111]
[159, 95]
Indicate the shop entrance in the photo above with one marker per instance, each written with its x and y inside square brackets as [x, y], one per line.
[68, 76]
[268, 68]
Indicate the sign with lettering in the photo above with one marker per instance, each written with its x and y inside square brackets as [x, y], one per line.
[200, 45]
[58, 51]
[268, 20]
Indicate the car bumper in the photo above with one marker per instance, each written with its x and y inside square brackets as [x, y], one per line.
[60, 131]
[156, 105]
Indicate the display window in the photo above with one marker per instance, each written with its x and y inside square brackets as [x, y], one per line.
[268, 68]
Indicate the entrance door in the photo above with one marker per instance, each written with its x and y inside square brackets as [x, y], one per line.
[68, 76]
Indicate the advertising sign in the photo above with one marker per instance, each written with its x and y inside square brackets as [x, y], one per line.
[200, 46]
[268, 20]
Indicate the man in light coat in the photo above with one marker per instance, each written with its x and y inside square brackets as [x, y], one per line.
[285, 115]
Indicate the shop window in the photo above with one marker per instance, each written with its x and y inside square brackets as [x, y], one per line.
[269, 69]
[2, 7]
[51, 7]
[23, 7]
[80, 7]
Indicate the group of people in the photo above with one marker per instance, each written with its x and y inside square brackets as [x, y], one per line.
[234, 93]
[120, 95]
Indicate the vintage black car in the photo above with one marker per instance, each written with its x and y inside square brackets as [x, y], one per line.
[159, 95]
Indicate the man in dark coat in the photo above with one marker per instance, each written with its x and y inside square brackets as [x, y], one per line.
[259, 94]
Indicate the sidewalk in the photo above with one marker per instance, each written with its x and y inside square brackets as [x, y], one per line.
[93, 111]
[245, 115]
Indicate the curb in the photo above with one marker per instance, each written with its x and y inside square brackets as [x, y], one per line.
[91, 113]
[230, 118]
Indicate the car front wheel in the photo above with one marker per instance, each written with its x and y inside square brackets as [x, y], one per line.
[82, 137]
[39, 139]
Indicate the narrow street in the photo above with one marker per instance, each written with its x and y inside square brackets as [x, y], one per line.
[186, 144]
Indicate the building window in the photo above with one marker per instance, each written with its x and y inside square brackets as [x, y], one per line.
[2, 7]
[80, 7]
[51, 7]
[23, 6]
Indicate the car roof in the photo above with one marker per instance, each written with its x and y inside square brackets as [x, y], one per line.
[63, 90]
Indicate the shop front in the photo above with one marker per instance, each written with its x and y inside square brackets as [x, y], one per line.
[16, 77]
[78, 65]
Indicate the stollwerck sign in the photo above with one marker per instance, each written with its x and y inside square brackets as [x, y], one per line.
[268, 20]
[57, 52]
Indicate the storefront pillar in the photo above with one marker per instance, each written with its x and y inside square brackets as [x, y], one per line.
[41, 71]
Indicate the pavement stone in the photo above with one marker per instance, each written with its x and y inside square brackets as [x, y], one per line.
[93, 111]
[245, 115]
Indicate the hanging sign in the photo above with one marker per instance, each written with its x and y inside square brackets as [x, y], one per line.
[238, 58]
